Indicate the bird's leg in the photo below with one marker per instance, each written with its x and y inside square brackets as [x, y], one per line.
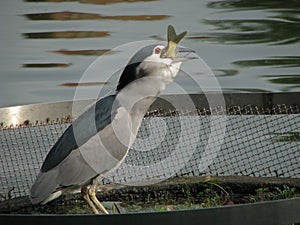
[92, 193]
[86, 196]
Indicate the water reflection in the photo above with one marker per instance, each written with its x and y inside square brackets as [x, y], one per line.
[84, 84]
[276, 61]
[225, 72]
[292, 81]
[86, 52]
[66, 34]
[92, 1]
[261, 25]
[255, 4]
[63, 16]
[271, 31]
[250, 45]
[90, 16]
[46, 65]
[281, 28]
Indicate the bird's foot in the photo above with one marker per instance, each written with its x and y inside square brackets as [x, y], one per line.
[86, 196]
[92, 193]
[89, 194]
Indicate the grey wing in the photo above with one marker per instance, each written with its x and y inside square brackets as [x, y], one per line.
[97, 117]
[64, 165]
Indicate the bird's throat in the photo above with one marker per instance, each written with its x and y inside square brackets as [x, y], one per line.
[138, 96]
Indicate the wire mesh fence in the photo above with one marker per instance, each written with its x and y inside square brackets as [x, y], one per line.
[258, 141]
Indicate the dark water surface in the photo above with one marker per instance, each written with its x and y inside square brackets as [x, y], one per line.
[47, 45]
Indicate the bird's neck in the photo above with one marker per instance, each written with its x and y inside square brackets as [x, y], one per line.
[141, 92]
[138, 96]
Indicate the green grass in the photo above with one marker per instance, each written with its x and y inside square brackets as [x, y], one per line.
[274, 193]
[209, 193]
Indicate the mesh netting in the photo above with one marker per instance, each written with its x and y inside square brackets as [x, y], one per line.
[256, 142]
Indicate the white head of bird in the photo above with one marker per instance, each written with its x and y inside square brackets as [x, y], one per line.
[166, 67]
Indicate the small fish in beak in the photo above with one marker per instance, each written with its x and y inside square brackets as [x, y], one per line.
[172, 51]
[173, 40]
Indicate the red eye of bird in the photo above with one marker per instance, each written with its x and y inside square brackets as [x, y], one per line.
[157, 50]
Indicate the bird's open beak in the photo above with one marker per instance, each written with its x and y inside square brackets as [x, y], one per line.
[178, 54]
[183, 54]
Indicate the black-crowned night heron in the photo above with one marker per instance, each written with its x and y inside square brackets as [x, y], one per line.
[98, 141]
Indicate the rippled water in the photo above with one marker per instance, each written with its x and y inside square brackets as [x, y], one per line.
[46, 45]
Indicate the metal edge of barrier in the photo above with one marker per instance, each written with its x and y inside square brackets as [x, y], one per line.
[54, 110]
[279, 212]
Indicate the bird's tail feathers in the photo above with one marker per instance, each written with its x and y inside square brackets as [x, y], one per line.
[43, 190]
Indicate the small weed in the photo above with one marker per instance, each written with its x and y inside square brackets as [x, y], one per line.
[189, 197]
[285, 192]
[211, 198]
[214, 182]
[160, 208]
[275, 193]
